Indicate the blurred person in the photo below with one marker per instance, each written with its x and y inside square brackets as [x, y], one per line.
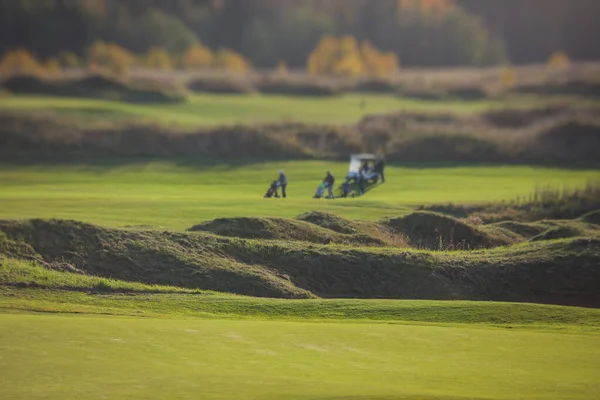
[363, 176]
[329, 183]
[379, 167]
[282, 182]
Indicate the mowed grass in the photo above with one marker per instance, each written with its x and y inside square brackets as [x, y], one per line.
[159, 342]
[211, 109]
[92, 357]
[178, 193]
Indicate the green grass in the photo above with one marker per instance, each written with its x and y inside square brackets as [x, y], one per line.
[26, 286]
[210, 109]
[178, 195]
[132, 344]
[88, 357]
[66, 336]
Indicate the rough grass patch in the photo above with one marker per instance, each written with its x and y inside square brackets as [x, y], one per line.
[559, 272]
[592, 217]
[439, 232]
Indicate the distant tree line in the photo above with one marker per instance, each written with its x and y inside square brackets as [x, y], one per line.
[267, 33]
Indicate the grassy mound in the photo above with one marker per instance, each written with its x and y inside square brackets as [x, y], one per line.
[592, 217]
[223, 86]
[444, 147]
[571, 140]
[16, 249]
[147, 257]
[543, 204]
[558, 232]
[521, 118]
[440, 232]
[560, 272]
[281, 229]
[571, 88]
[375, 86]
[329, 221]
[95, 86]
[296, 87]
[424, 94]
[27, 84]
[468, 93]
[524, 229]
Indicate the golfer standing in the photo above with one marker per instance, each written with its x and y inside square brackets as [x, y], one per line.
[282, 182]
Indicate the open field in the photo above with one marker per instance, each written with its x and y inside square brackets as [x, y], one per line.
[224, 109]
[84, 357]
[179, 194]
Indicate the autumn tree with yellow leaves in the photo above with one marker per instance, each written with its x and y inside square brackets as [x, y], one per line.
[197, 56]
[343, 56]
[109, 57]
[231, 61]
[159, 58]
[19, 61]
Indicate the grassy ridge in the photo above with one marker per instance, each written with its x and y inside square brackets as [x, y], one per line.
[181, 193]
[27, 286]
[556, 272]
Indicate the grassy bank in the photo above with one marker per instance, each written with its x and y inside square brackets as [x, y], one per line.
[376, 261]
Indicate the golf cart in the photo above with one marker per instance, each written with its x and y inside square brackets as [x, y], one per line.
[352, 185]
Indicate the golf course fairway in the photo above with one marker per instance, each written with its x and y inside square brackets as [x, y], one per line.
[91, 357]
[176, 194]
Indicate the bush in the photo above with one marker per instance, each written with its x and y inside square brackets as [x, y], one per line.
[342, 56]
[231, 61]
[109, 58]
[378, 63]
[158, 58]
[197, 56]
[19, 62]
[51, 67]
[68, 59]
